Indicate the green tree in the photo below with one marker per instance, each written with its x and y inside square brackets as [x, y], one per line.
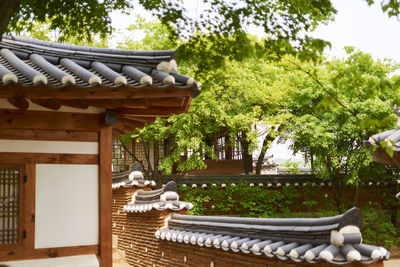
[336, 106]
[234, 99]
[222, 23]
[154, 36]
[42, 31]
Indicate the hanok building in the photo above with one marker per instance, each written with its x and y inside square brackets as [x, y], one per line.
[60, 106]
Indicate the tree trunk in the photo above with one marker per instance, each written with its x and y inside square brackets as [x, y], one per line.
[340, 204]
[263, 151]
[156, 160]
[246, 158]
[337, 193]
[7, 10]
[356, 194]
[394, 204]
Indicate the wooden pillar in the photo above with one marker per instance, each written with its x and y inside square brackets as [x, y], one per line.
[105, 195]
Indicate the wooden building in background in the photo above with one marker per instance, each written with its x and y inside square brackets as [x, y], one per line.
[230, 157]
[60, 106]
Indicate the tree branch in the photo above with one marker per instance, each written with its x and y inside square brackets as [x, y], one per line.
[7, 10]
[324, 88]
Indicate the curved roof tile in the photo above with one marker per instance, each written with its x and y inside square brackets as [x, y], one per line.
[336, 239]
[109, 63]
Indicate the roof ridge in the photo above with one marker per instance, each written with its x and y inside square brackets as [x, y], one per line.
[92, 49]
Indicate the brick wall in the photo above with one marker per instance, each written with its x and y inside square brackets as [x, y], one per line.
[121, 197]
[136, 237]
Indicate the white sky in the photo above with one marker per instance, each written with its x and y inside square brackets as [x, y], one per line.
[356, 24]
[366, 28]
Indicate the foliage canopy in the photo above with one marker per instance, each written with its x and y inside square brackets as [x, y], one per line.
[336, 106]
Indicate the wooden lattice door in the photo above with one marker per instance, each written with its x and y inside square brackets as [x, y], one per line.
[11, 179]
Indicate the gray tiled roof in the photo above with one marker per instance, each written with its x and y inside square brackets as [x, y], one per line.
[165, 198]
[392, 135]
[129, 179]
[336, 240]
[30, 62]
[265, 180]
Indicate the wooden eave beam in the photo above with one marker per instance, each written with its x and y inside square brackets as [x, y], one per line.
[49, 135]
[44, 120]
[95, 92]
[117, 103]
[122, 103]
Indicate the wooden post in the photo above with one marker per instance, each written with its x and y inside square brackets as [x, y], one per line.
[105, 195]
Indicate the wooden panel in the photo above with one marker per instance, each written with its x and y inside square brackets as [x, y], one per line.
[105, 192]
[48, 158]
[29, 254]
[42, 120]
[48, 135]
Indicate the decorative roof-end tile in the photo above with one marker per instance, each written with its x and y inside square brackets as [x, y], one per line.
[165, 198]
[129, 179]
[336, 240]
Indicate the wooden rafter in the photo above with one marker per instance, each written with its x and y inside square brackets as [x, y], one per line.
[53, 104]
[75, 103]
[186, 103]
[151, 112]
[167, 102]
[19, 101]
[139, 118]
[132, 124]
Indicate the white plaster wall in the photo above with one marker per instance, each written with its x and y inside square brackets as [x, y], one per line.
[32, 106]
[73, 261]
[67, 147]
[67, 205]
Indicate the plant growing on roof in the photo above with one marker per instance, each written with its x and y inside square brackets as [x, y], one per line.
[336, 106]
